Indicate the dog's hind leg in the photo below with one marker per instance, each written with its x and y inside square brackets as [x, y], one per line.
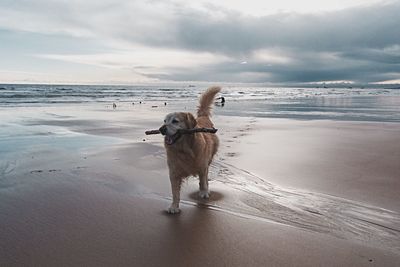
[203, 185]
[176, 192]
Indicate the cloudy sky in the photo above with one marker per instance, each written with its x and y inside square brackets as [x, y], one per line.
[120, 41]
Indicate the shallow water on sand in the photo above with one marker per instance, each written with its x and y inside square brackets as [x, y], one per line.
[67, 130]
[241, 193]
[308, 210]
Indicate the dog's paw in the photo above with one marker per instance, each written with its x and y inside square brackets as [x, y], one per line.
[204, 194]
[173, 210]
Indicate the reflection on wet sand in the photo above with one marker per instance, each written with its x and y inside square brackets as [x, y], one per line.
[94, 194]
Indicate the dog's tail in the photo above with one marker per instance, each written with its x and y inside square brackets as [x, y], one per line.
[206, 100]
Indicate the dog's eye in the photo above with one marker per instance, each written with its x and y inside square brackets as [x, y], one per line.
[175, 121]
[165, 121]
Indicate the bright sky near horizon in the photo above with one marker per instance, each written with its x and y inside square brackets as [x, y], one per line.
[262, 8]
[125, 42]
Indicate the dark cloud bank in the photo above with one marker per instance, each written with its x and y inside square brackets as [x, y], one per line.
[357, 44]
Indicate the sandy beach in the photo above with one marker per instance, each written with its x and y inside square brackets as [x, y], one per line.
[83, 186]
[304, 97]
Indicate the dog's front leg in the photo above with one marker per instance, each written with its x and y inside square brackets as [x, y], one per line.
[176, 192]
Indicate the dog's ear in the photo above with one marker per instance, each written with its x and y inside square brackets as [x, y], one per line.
[191, 121]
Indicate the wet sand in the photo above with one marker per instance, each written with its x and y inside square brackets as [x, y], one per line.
[80, 224]
[102, 203]
[352, 160]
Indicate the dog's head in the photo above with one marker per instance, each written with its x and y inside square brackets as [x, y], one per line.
[173, 122]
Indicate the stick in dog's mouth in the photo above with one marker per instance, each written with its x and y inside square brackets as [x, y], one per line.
[171, 139]
[186, 131]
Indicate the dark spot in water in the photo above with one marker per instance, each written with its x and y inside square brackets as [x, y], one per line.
[313, 211]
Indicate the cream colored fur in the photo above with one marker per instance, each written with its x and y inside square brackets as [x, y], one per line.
[190, 154]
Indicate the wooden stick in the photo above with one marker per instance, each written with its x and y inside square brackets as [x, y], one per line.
[152, 132]
[198, 130]
[187, 131]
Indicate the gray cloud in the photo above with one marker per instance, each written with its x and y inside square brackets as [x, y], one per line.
[364, 27]
[361, 44]
[364, 41]
[305, 70]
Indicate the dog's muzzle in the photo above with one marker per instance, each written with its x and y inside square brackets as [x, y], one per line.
[169, 139]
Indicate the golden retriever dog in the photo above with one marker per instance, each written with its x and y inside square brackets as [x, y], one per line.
[190, 154]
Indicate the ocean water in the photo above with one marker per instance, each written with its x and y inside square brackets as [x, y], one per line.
[354, 104]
